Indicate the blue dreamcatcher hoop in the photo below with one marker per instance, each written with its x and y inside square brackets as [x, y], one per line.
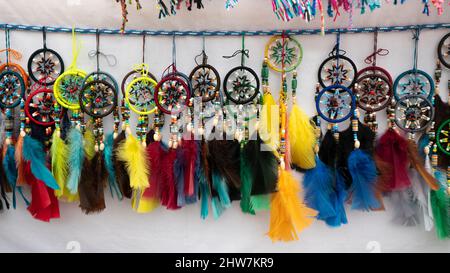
[413, 82]
[335, 103]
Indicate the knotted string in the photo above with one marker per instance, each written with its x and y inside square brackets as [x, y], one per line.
[372, 58]
[202, 54]
[244, 52]
[110, 58]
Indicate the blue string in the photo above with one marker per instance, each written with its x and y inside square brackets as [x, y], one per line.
[225, 33]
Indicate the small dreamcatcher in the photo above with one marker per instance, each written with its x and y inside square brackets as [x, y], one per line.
[335, 103]
[39, 105]
[9, 65]
[444, 50]
[68, 85]
[98, 95]
[413, 113]
[443, 137]
[414, 81]
[12, 82]
[291, 54]
[241, 84]
[45, 63]
[373, 86]
[139, 94]
[337, 69]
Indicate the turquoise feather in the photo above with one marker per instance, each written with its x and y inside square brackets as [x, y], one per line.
[9, 165]
[109, 164]
[33, 151]
[219, 184]
[76, 158]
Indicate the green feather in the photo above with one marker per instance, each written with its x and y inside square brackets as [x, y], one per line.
[246, 184]
[440, 204]
[260, 202]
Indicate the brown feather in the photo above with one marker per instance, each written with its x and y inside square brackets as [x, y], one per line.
[418, 164]
[91, 186]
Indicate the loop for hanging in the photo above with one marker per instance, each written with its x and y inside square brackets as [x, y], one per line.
[202, 54]
[143, 47]
[44, 37]
[244, 52]
[416, 34]
[336, 51]
[371, 59]
[111, 60]
[174, 51]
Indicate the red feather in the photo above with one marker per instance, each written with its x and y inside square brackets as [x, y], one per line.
[168, 187]
[154, 154]
[190, 155]
[392, 149]
[44, 205]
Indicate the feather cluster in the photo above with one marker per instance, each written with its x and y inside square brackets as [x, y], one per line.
[301, 139]
[133, 154]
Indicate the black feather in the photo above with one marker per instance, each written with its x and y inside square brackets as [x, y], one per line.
[122, 177]
[91, 186]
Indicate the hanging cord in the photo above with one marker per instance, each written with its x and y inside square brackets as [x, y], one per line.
[174, 52]
[8, 51]
[44, 37]
[202, 54]
[110, 58]
[416, 34]
[338, 45]
[372, 58]
[244, 52]
[143, 48]
[8, 46]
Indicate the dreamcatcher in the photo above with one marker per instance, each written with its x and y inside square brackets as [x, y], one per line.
[373, 86]
[68, 85]
[337, 69]
[290, 56]
[414, 81]
[444, 50]
[11, 66]
[45, 63]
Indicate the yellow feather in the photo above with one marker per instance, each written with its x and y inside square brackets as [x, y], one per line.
[144, 205]
[89, 144]
[59, 152]
[288, 214]
[133, 154]
[301, 139]
[268, 126]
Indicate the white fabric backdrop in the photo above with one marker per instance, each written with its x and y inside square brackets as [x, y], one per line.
[118, 228]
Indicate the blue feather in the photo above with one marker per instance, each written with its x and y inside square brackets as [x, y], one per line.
[178, 170]
[217, 207]
[441, 177]
[108, 156]
[339, 197]
[33, 151]
[204, 195]
[318, 186]
[423, 142]
[219, 184]
[364, 173]
[197, 175]
[76, 158]
[9, 165]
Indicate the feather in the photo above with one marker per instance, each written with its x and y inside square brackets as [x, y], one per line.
[132, 153]
[122, 178]
[392, 149]
[89, 144]
[20, 164]
[168, 188]
[302, 139]
[155, 155]
[33, 151]
[269, 120]
[198, 175]
[204, 196]
[420, 192]
[91, 186]
[75, 159]
[405, 207]
[418, 163]
[190, 150]
[288, 215]
[9, 166]
[364, 173]
[246, 184]
[440, 204]
[260, 202]
[339, 202]
[179, 168]
[318, 187]
[220, 186]
[60, 169]
[109, 165]
[2, 126]
[328, 149]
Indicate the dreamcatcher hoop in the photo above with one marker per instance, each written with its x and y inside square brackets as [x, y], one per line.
[444, 57]
[98, 98]
[442, 136]
[338, 101]
[203, 85]
[243, 82]
[143, 90]
[12, 89]
[39, 106]
[374, 92]
[410, 110]
[67, 88]
[16, 68]
[132, 75]
[416, 82]
[172, 91]
[337, 73]
[41, 65]
[375, 70]
[101, 76]
[274, 53]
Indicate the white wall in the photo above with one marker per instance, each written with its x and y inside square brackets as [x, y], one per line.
[118, 228]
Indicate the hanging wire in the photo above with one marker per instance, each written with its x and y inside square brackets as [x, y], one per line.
[110, 58]
[143, 48]
[44, 37]
[416, 34]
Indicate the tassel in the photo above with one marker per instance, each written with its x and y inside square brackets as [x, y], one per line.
[75, 160]
[44, 205]
[133, 154]
[155, 155]
[33, 152]
[302, 139]
[318, 186]
[20, 164]
[392, 149]
[60, 153]
[220, 186]
[190, 148]
[91, 186]
[108, 154]
[122, 178]
[364, 173]
[418, 164]
[288, 215]
[268, 125]
[201, 174]
[168, 189]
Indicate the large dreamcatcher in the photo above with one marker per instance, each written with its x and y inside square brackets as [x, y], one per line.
[337, 69]
[414, 81]
[283, 52]
[98, 95]
[444, 50]
[45, 63]
[373, 87]
[413, 113]
[68, 85]
[12, 81]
